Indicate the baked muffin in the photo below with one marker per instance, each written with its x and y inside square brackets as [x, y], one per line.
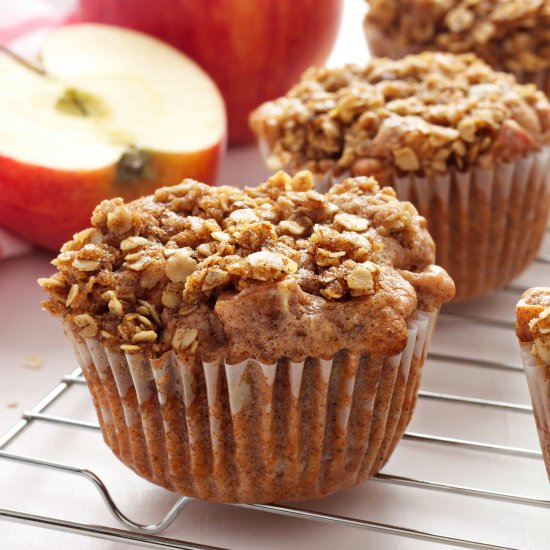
[510, 35]
[533, 331]
[467, 145]
[252, 345]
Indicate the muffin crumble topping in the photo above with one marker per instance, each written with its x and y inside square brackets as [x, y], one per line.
[157, 273]
[423, 114]
[510, 34]
[533, 321]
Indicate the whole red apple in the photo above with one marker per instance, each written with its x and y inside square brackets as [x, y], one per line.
[254, 49]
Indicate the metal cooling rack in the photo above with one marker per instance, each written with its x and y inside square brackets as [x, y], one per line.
[148, 536]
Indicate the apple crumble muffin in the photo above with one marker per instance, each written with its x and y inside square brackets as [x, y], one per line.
[225, 334]
[533, 331]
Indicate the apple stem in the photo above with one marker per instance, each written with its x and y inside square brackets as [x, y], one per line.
[25, 62]
[134, 165]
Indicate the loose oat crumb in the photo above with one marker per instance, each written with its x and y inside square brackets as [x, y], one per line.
[119, 220]
[85, 265]
[12, 405]
[133, 242]
[72, 295]
[180, 265]
[86, 325]
[129, 348]
[144, 336]
[184, 337]
[33, 362]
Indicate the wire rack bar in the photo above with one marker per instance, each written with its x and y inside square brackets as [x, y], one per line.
[473, 445]
[468, 319]
[485, 403]
[352, 522]
[513, 287]
[42, 405]
[70, 379]
[375, 526]
[115, 511]
[462, 490]
[442, 357]
[52, 419]
[101, 532]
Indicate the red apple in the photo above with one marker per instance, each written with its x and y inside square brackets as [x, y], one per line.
[254, 49]
[115, 113]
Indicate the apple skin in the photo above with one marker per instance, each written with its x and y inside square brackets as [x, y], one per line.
[48, 206]
[255, 50]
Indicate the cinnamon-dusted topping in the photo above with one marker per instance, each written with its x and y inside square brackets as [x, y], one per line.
[425, 114]
[196, 254]
[512, 35]
[533, 321]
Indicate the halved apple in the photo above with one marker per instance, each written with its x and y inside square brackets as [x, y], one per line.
[115, 113]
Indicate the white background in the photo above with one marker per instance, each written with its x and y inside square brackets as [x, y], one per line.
[25, 330]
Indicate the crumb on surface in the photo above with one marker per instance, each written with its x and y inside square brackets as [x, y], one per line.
[33, 362]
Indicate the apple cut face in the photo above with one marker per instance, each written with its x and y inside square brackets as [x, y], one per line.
[105, 92]
[116, 113]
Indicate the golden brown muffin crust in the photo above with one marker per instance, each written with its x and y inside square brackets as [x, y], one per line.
[278, 270]
[424, 114]
[512, 35]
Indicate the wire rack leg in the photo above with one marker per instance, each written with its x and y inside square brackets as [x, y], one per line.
[153, 528]
[101, 532]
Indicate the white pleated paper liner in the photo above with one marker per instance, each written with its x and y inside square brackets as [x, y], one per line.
[538, 381]
[252, 432]
[487, 224]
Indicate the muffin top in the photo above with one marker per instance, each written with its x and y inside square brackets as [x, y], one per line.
[512, 35]
[273, 271]
[533, 321]
[423, 114]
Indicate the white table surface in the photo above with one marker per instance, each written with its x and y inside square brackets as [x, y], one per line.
[27, 331]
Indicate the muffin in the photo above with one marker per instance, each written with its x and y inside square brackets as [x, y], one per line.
[510, 35]
[533, 331]
[467, 145]
[252, 345]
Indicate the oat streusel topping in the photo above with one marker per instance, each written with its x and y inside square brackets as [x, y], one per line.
[533, 321]
[221, 268]
[425, 113]
[512, 35]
